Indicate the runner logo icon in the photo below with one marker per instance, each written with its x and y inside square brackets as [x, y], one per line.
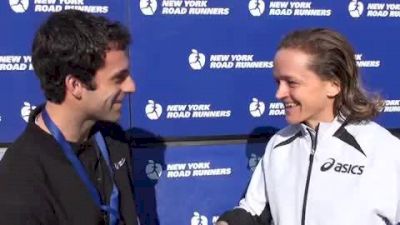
[26, 110]
[19, 6]
[356, 8]
[153, 170]
[256, 108]
[148, 7]
[198, 219]
[256, 7]
[196, 60]
[253, 161]
[153, 110]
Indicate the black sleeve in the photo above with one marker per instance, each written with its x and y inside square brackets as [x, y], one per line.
[22, 194]
[240, 216]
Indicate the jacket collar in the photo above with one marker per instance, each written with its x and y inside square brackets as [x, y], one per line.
[324, 129]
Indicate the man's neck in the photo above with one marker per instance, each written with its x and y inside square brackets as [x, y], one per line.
[70, 121]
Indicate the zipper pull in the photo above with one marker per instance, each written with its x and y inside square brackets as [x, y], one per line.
[313, 136]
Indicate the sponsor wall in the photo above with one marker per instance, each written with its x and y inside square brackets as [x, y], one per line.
[20, 89]
[203, 69]
[192, 184]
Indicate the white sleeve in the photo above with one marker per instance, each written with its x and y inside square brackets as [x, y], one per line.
[256, 197]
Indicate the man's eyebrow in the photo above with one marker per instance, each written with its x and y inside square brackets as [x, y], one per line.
[283, 76]
[121, 74]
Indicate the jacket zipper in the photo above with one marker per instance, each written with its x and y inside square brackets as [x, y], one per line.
[311, 160]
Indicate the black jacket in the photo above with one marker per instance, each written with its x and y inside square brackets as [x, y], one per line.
[38, 185]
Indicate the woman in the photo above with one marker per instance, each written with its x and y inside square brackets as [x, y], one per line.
[332, 165]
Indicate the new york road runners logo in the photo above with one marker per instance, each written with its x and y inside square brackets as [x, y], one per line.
[356, 8]
[19, 6]
[26, 110]
[153, 170]
[196, 60]
[153, 110]
[198, 219]
[256, 7]
[256, 108]
[148, 7]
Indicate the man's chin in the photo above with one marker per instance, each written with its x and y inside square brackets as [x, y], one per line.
[115, 119]
[112, 118]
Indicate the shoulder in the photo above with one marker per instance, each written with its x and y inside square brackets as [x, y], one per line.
[375, 139]
[289, 131]
[372, 132]
[287, 134]
[22, 164]
[31, 153]
[32, 142]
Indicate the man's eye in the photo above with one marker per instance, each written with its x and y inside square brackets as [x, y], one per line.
[119, 79]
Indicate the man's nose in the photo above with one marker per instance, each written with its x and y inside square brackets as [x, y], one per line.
[128, 86]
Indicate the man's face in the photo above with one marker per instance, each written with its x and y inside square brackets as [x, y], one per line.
[113, 82]
[306, 97]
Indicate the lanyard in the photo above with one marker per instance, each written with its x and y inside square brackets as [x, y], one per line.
[113, 208]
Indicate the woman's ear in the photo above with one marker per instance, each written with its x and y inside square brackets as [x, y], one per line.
[333, 88]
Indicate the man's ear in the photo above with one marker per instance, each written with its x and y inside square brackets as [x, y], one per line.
[333, 88]
[74, 86]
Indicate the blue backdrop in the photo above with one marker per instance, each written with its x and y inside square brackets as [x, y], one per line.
[175, 184]
[203, 69]
[20, 90]
[221, 63]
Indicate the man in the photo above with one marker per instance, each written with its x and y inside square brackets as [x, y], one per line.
[71, 165]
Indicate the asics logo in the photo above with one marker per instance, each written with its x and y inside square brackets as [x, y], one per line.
[342, 167]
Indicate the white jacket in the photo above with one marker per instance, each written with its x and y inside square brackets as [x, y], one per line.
[337, 175]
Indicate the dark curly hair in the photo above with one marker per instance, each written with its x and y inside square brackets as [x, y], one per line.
[333, 58]
[74, 43]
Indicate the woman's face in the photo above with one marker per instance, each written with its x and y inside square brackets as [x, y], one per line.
[307, 98]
